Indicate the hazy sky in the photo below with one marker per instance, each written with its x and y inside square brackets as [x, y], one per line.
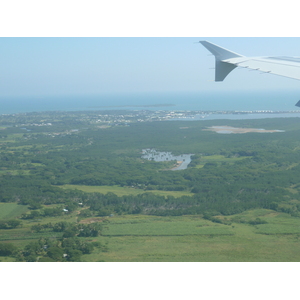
[90, 66]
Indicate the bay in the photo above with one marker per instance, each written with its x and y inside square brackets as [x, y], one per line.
[281, 100]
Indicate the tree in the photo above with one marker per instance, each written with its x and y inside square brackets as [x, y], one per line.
[37, 228]
[73, 254]
[55, 253]
[61, 226]
[88, 230]
[46, 259]
[33, 248]
[10, 224]
[69, 232]
[7, 249]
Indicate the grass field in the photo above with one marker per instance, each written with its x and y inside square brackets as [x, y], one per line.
[23, 235]
[166, 227]
[11, 210]
[121, 191]
[144, 238]
[218, 159]
[11, 138]
[191, 238]
[280, 224]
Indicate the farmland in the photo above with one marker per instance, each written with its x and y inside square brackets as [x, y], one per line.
[80, 190]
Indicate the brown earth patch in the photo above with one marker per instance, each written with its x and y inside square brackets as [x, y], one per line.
[229, 129]
[177, 164]
[91, 220]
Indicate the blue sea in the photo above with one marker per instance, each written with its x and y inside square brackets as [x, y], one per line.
[196, 101]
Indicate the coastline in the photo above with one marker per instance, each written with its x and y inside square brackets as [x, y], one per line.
[235, 101]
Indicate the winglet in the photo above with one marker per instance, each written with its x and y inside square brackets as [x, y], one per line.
[221, 54]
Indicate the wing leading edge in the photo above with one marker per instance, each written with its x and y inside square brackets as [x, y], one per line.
[227, 60]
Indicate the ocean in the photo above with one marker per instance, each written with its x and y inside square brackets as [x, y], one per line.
[196, 101]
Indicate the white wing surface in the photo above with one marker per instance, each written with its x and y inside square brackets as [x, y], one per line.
[227, 60]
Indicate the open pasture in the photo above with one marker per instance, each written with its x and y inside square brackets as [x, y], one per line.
[11, 210]
[218, 159]
[154, 226]
[121, 191]
[194, 239]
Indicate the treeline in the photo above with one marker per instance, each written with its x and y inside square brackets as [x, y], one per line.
[69, 247]
[70, 229]
[49, 250]
[10, 224]
[34, 192]
[226, 189]
[216, 202]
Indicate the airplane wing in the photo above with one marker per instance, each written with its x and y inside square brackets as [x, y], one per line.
[227, 60]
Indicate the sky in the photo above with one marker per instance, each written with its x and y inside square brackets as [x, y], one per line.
[67, 48]
[47, 66]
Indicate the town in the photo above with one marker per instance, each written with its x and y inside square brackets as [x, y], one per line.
[121, 117]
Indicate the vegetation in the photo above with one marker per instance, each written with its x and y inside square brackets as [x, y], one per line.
[72, 187]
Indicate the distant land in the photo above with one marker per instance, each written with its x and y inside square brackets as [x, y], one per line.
[185, 101]
[150, 105]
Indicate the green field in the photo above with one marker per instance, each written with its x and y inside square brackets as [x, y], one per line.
[121, 191]
[218, 159]
[11, 210]
[183, 238]
[23, 234]
[191, 238]
[154, 226]
[280, 224]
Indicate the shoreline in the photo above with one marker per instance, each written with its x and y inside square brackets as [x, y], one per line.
[178, 164]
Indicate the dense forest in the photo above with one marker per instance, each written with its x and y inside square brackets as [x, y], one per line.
[41, 153]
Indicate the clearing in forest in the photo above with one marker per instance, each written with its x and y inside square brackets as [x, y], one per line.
[228, 129]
